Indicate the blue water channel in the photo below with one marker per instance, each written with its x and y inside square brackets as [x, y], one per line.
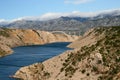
[26, 55]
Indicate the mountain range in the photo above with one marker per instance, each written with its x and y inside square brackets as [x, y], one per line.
[69, 22]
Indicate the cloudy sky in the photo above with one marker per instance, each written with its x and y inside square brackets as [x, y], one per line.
[17, 9]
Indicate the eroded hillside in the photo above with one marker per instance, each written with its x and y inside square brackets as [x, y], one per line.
[10, 38]
[96, 60]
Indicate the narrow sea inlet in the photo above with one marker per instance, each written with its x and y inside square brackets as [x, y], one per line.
[27, 55]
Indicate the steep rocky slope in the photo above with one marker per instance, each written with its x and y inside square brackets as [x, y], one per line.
[98, 59]
[17, 37]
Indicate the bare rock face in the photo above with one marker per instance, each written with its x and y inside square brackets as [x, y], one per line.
[26, 36]
[17, 37]
[98, 59]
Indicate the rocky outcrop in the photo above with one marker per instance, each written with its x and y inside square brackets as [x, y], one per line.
[18, 37]
[95, 60]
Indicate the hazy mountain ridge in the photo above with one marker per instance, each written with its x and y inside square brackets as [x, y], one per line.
[70, 23]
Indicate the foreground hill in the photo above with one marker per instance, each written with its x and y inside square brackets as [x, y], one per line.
[10, 38]
[96, 59]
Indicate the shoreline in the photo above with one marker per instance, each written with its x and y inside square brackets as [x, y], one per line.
[19, 37]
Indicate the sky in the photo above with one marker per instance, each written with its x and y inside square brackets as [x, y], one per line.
[17, 9]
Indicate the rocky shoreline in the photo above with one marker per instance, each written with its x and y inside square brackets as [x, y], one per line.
[10, 38]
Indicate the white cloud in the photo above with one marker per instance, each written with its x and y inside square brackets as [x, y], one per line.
[49, 16]
[77, 1]
[2, 20]
[23, 18]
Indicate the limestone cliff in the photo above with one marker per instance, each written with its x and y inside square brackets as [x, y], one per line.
[17, 37]
[98, 59]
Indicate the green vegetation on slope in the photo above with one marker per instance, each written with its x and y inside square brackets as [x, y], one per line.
[110, 50]
[108, 46]
[2, 52]
[4, 32]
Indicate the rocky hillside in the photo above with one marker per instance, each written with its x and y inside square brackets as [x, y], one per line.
[18, 37]
[96, 57]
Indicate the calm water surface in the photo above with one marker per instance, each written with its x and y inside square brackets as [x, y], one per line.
[27, 55]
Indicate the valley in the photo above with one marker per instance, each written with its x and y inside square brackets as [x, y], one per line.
[96, 57]
[61, 46]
